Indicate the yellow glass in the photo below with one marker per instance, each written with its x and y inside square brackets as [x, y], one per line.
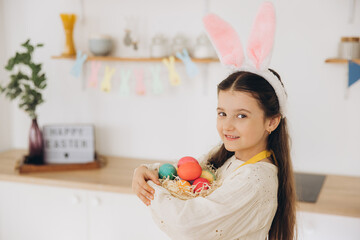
[68, 21]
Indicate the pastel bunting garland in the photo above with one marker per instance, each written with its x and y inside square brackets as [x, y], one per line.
[191, 68]
[173, 75]
[124, 85]
[106, 83]
[77, 68]
[140, 85]
[93, 79]
[157, 86]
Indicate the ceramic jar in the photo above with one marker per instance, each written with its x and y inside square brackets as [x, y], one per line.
[178, 44]
[158, 48]
[349, 48]
[203, 48]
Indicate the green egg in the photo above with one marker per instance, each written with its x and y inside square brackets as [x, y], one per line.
[167, 170]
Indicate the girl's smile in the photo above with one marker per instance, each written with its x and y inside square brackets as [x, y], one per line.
[231, 138]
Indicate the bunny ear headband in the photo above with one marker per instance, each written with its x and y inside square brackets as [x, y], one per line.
[230, 51]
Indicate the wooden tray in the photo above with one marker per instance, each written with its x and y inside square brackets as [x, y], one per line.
[21, 167]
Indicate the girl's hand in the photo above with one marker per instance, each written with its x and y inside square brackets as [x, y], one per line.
[139, 183]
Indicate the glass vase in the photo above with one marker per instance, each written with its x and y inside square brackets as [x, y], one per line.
[36, 145]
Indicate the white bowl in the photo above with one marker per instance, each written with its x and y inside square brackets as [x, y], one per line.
[100, 45]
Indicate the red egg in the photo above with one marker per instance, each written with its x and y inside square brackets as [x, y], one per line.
[185, 160]
[189, 171]
[201, 184]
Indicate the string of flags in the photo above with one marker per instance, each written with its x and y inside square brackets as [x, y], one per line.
[157, 86]
[354, 73]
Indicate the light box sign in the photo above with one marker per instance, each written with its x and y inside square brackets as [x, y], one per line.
[69, 143]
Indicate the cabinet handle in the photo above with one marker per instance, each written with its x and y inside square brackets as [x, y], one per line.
[75, 200]
[95, 201]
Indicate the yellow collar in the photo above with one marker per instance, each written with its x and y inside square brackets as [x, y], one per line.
[258, 157]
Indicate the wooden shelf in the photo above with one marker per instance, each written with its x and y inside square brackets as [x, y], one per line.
[339, 60]
[121, 59]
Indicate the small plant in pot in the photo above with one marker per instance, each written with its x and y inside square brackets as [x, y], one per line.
[26, 84]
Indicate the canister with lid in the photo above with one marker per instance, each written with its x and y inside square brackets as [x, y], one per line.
[158, 48]
[349, 48]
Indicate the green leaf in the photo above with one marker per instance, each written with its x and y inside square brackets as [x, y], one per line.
[25, 87]
[10, 64]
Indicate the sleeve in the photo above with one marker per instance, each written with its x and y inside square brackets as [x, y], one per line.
[152, 166]
[238, 208]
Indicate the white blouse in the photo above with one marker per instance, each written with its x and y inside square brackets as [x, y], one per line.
[243, 207]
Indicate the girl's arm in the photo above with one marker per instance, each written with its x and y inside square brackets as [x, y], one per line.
[245, 203]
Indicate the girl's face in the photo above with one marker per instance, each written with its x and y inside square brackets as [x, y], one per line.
[241, 124]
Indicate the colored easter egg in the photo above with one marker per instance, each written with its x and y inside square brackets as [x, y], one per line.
[183, 185]
[167, 170]
[185, 160]
[207, 174]
[201, 184]
[189, 171]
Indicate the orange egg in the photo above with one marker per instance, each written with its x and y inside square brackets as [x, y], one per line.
[189, 171]
[183, 185]
[185, 160]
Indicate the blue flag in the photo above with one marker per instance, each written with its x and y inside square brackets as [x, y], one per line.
[354, 73]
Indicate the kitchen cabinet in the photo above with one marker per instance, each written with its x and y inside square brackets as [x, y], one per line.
[120, 216]
[314, 226]
[40, 212]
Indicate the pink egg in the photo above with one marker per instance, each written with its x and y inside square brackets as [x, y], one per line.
[186, 159]
[201, 184]
[189, 171]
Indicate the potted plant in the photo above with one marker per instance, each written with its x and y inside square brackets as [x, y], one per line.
[26, 84]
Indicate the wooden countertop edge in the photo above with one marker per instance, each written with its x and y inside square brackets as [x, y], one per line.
[67, 184]
[313, 208]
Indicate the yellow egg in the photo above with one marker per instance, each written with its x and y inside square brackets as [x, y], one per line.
[207, 174]
[183, 185]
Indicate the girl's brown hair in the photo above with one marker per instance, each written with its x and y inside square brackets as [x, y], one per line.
[283, 225]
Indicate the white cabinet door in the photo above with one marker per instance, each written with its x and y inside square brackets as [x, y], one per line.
[41, 213]
[115, 216]
[313, 226]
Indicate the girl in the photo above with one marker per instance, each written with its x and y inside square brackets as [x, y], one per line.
[257, 197]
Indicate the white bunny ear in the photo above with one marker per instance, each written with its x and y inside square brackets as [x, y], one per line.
[225, 40]
[262, 35]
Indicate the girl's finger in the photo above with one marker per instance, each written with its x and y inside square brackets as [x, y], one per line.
[153, 176]
[144, 200]
[146, 186]
[146, 194]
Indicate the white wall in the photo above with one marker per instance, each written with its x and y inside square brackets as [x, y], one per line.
[5, 123]
[324, 125]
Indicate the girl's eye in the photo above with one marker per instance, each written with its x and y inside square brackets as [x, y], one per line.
[241, 116]
[221, 114]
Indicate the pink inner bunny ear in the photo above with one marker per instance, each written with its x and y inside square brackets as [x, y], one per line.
[262, 35]
[225, 40]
